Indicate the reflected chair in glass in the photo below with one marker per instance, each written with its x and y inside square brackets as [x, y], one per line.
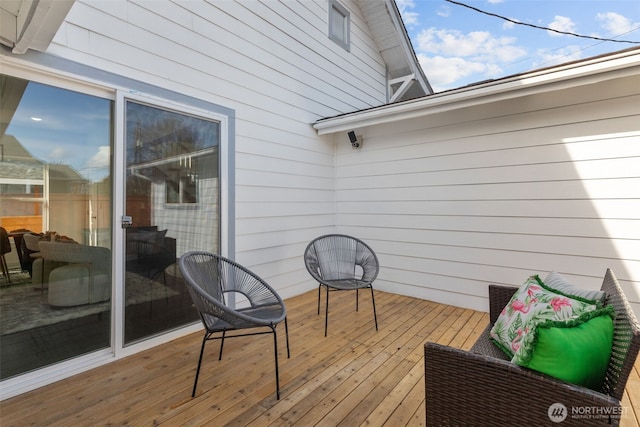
[341, 263]
[5, 248]
[149, 252]
[229, 298]
[40, 268]
[81, 273]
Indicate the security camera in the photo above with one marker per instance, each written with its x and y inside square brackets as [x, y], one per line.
[354, 139]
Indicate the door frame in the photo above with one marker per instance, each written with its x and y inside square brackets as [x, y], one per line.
[63, 73]
[119, 208]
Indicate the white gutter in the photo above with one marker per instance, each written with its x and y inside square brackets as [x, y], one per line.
[622, 64]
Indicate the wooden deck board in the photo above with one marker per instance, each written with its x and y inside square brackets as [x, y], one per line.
[354, 376]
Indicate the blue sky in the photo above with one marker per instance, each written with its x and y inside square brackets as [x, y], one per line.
[457, 46]
[60, 126]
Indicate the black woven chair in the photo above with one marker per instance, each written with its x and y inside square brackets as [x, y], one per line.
[5, 248]
[148, 259]
[482, 387]
[341, 263]
[214, 283]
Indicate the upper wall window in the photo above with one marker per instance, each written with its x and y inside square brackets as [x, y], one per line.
[339, 23]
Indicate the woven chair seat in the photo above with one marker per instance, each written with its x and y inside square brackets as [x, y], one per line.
[347, 284]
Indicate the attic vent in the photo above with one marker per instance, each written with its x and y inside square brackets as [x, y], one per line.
[339, 23]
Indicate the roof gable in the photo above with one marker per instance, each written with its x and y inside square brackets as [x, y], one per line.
[406, 78]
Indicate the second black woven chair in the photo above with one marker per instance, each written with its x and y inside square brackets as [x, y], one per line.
[229, 297]
[342, 263]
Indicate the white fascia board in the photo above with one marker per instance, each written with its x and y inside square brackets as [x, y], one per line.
[572, 75]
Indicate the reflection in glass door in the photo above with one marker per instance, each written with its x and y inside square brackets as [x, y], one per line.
[55, 203]
[172, 197]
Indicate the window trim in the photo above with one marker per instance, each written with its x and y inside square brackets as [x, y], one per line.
[336, 7]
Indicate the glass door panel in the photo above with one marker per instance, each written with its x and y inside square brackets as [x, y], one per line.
[55, 202]
[172, 197]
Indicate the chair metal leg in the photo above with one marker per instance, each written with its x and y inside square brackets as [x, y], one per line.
[326, 313]
[195, 382]
[5, 268]
[286, 333]
[166, 292]
[356, 299]
[319, 289]
[275, 353]
[222, 344]
[373, 301]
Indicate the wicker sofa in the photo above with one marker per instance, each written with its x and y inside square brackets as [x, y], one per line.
[481, 387]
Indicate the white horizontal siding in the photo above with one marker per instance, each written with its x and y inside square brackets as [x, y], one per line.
[273, 63]
[241, 52]
[452, 202]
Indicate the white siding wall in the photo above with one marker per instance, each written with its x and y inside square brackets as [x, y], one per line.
[452, 202]
[273, 63]
[196, 230]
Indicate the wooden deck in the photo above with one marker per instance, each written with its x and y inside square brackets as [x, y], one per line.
[355, 376]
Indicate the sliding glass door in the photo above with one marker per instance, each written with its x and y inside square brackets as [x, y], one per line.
[74, 158]
[55, 204]
[172, 201]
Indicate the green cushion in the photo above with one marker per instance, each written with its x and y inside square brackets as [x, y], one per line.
[575, 350]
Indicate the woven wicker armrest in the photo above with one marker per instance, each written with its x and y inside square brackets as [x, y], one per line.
[464, 388]
[499, 296]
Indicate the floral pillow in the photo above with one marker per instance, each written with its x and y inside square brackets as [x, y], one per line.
[533, 303]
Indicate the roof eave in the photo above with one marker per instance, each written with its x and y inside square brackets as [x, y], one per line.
[34, 24]
[576, 74]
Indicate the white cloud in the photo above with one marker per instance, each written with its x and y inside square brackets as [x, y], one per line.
[508, 25]
[408, 16]
[450, 56]
[443, 11]
[472, 44]
[444, 72]
[615, 24]
[404, 4]
[101, 159]
[57, 155]
[548, 58]
[561, 23]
